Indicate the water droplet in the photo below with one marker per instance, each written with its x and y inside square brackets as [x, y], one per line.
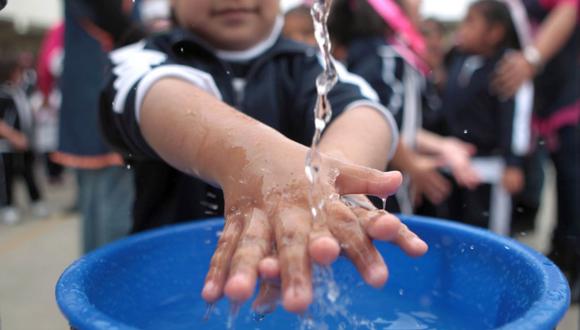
[520, 209]
[208, 311]
[401, 292]
[258, 317]
[128, 166]
[465, 131]
[471, 247]
[523, 233]
[506, 247]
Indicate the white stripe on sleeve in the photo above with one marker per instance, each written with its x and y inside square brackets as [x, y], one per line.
[524, 102]
[198, 78]
[131, 64]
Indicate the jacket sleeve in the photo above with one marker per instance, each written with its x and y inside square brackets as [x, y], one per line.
[350, 92]
[133, 70]
[384, 71]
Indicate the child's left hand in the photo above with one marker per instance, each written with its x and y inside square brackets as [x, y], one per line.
[513, 179]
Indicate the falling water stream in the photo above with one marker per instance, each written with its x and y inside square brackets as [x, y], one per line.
[322, 112]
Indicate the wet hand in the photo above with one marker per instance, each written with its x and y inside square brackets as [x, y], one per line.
[268, 214]
[376, 224]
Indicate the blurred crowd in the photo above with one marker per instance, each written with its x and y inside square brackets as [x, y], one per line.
[482, 105]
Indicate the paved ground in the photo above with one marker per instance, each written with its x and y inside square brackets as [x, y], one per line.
[35, 252]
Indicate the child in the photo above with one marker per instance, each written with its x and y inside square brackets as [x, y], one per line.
[298, 25]
[16, 127]
[226, 101]
[497, 127]
[371, 45]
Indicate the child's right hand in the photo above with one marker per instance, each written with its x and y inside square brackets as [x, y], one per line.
[268, 214]
[266, 193]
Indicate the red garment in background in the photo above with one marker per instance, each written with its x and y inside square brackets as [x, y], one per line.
[52, 46]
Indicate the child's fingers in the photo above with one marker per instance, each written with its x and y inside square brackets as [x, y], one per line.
[409, 242]
[291, 229]
[253, 244]
[378, 224]
[322, 247]
[361, 180]
[356, 244]
[384, 226]
[437, 188]
[219, 265]
[269, 268]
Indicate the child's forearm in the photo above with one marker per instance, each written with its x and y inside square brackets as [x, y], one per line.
[360, 135]
[429, 142]
[202, 136]
[13, 136]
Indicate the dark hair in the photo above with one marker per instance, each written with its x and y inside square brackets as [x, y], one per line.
[497, 12]
[8, 65]
[353, 19]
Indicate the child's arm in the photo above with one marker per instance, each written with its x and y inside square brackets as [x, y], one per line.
[14, 137]
[556, 29]
[262, 175]
[453, 152]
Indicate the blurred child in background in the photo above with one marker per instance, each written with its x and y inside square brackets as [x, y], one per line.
[498, 127]
[388, 52]
[17, 127]
[298, 25]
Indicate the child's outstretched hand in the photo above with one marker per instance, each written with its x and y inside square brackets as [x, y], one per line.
[266, 191]
[268, 214]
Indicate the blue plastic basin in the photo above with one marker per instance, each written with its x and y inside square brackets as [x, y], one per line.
[469, 279]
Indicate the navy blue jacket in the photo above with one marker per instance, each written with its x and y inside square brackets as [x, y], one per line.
[400, 87]
[273, 83]
[476, 115]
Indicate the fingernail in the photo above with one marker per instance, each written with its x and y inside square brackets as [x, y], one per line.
[239, 279]
[377, 275]
[419, 242]
[209, 289]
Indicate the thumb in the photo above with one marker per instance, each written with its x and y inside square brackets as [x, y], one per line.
[355, 179]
